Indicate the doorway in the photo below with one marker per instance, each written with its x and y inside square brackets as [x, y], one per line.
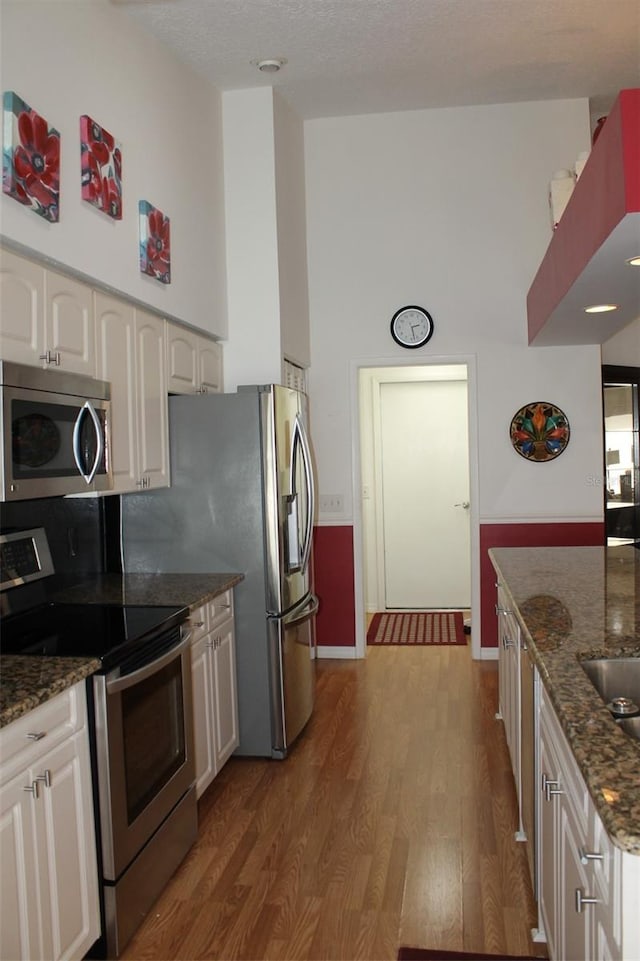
[621, 409]
[399, 555]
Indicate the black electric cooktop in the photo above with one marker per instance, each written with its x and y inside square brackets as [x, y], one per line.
[109, 632]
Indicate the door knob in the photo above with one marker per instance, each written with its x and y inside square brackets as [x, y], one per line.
[464, 504]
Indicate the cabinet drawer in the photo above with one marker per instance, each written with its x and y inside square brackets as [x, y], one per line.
[199, 622]
[49, 723]
[220, 608]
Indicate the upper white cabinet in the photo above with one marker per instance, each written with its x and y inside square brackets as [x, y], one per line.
[130, 354]
[194, 362]
[49, 880]
[46, 319]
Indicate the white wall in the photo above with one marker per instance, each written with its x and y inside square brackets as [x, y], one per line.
[623, 349]
[292, 234]
[66, 58]
[448, 209]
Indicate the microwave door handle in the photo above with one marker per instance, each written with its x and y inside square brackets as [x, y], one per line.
[77, 453]
[299, 431]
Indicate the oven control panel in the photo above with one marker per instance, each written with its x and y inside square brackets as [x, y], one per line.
[24, 557]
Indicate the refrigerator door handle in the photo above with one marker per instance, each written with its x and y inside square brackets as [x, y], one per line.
[300, 436]
[309, 610]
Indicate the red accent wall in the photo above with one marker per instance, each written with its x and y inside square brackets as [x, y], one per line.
[334, 586]
[334, 575]
[524, 535]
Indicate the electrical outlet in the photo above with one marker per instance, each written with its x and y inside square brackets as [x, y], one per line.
[331, 503]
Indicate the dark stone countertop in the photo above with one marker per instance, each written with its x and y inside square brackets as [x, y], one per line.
[574, 603]
[28, 681]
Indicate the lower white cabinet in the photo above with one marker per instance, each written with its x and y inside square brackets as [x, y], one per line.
[49, 905]
[215, 702]
[509, 695]
[589, 888]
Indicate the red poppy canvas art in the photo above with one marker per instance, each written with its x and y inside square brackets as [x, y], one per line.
[101, 162]
[30, 158]
[155, 248]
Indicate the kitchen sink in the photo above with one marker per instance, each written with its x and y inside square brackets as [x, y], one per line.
[617, 681]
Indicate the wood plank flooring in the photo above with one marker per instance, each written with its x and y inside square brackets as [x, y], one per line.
[392, 822]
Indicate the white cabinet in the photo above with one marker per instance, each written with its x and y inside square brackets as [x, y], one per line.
[589, 888]
[130, 354]
[194, 362]
[215, 701]
[46, 318]
[49, 892]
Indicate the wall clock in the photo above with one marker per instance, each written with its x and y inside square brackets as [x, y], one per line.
[411, 326]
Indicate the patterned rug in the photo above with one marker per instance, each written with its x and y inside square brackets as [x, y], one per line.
[408, 629]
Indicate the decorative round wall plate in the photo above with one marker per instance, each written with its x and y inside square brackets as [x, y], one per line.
[539, 431]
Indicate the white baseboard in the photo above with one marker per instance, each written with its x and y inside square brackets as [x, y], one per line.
[488, 654]
[345, 653]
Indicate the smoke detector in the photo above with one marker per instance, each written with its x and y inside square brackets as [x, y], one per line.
[271, 65]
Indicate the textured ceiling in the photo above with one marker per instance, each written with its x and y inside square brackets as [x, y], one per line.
[362, 56]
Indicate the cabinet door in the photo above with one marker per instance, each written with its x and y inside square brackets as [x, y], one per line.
[20, 925]
[225, 692]
[203, 712]
[69, 324]
[153, 421]
[66, 848]
[115, 349]
[575, 926]
[182, 360]
[209, 366]
[21, 310]
[548, 771]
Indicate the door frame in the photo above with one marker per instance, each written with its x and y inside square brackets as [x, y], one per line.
[468, 360]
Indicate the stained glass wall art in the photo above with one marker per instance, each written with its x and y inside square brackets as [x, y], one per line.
[539, 431]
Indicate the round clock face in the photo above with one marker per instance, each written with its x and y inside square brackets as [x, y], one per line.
[411, 326]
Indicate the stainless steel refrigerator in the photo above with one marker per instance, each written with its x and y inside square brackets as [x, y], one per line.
[242, 499]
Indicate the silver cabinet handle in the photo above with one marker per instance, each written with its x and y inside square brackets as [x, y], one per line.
[581, 900]
[37, 735]
[507, 642]
[45, 778]
[50, 358]
[32, 789]
[586, 856]
[197, 623]
[548, 787]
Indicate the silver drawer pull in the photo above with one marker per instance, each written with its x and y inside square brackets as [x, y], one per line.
[581, 900]
[32, 789]
[37, 735]
[197, 623]
[586, 856]
[45, 778]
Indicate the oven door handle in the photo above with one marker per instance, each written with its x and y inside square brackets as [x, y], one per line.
[122, 683]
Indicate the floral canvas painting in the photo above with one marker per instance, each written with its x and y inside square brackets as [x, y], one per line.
[30, 158]
[101, 158]
[155, 249]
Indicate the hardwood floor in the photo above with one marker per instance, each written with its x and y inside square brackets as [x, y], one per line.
[391, 822]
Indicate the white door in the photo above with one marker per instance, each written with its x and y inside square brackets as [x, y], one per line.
[425, 487]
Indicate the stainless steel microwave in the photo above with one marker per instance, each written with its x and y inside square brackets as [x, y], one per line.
[55, 433]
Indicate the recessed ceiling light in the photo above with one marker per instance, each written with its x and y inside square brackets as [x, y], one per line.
[634, 261]
[600, 308]
[271, 65]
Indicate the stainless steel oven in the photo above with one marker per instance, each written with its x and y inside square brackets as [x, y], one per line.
[55, 433]
[141, 725]
[143, 717]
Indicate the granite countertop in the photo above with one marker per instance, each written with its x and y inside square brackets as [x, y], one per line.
[190, 590]
[575, 603]
[26, 682]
